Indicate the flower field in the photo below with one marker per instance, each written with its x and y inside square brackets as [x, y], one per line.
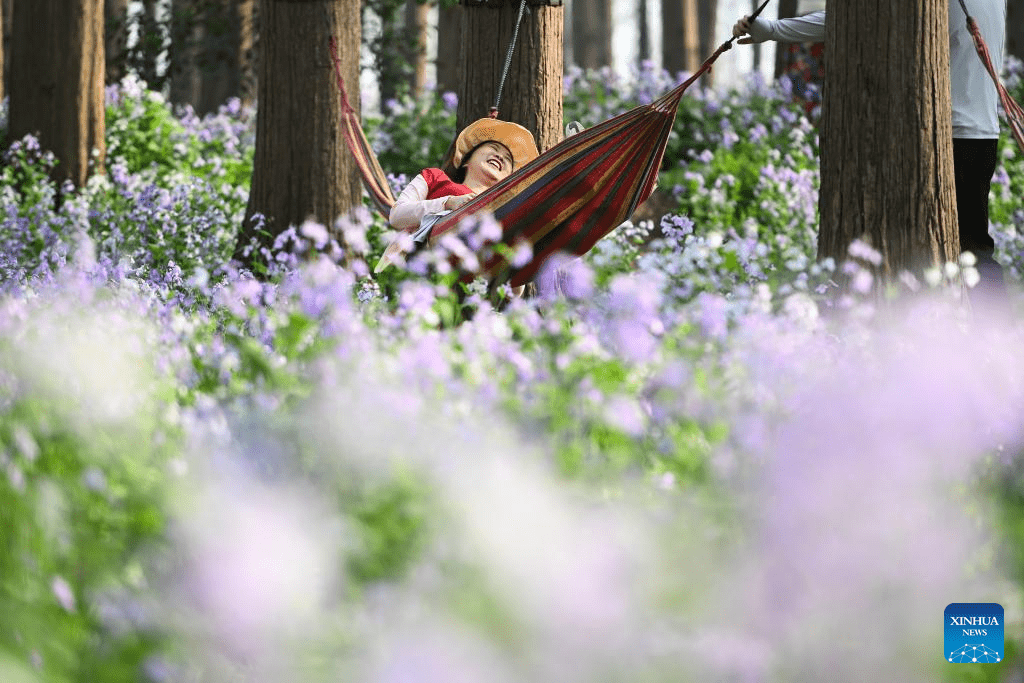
[686, 459]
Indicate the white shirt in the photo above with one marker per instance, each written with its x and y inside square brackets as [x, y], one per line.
[972, 93]
[412, 205]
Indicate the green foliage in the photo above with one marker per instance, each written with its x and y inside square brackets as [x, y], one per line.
[391, 522]
[413, 133]
[146, 136]
[83, 517]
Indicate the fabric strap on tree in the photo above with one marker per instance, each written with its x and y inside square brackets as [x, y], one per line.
[1014, 113]
[566, 199]
[374, 179]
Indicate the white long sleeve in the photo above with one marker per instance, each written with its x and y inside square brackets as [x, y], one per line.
[809, 28]
[412, 205]
[972, 92]
[973, 95]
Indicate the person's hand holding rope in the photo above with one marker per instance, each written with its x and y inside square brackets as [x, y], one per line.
[742, 28]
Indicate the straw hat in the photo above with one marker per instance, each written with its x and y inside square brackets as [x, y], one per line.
[518, 140]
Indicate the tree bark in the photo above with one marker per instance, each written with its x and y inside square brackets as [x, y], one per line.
[57, 82]
[644, 38]
[302, 167]
[886, 146]
[3, 25]
[212, 46]
[227, 42]
[249, 24]
[591, 33]
[1015, 28]
[416, 15]
[707, 10]
[532, 96]
[186, 35]
[787, 9]
[115, 14]
[680, 39]
[6, 8]
[449, 47]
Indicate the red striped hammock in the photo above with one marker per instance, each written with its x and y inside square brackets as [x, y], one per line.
[581, 189]
[566, 199]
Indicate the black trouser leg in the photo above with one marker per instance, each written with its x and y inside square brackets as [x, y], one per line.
[974, 162]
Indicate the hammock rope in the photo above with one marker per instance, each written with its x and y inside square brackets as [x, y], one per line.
[1013, 111]
[493, 113]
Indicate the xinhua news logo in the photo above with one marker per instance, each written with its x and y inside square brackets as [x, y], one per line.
[974, 633]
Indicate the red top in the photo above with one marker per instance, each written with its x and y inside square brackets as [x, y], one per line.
[440, 185]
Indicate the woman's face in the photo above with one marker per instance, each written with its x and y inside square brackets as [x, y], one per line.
[489, 163]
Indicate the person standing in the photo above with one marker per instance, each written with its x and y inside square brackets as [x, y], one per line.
[974, 101]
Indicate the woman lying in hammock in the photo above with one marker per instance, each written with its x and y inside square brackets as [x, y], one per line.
[486, 152]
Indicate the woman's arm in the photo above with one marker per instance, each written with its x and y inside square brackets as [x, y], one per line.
[809, 28]
[412, 205]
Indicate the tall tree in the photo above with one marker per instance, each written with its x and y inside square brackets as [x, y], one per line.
[2, 25]
[151, 41]
[532, 95]
[680, 39]
[302, 167]
[707, 11]
[644, 39]
[417, 13]
[449, 45]
[6, 7]
[388, 45]
[227, 46]
[211, 52]
[591, 33]
[186, 35]
[57, 82]
[115, 27]
[886, 145]
[1015, 28]
[787, 9]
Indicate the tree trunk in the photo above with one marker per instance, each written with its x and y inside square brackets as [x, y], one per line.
[787, 9]
[1015, 28]
[115, 14]
[186, 34]
[532, 96]
[591, 33]
[248, 22]
[57, 84]
[416, 16]
[886, 146]
[449, 47]
[390, 48]
[756, 46]
[6, 7]
[150, 44]
[680, 40]
[212, 51]
[227, 41]
[302, 167]
[643, 53]
[707, 10]
[3, 24]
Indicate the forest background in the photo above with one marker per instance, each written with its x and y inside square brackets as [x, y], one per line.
[698, 458]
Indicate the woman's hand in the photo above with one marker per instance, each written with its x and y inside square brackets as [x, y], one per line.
[455, 201]
[742, 28]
